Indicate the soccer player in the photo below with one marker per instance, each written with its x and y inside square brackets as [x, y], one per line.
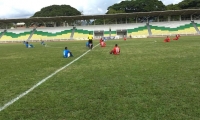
[177, 37]
[29, 45]
[103, 44]
[42, 43]
[115, 50]
[90, 40]
[67, 53]
[167, 39]
[124, 37]
[101, 40]
[87, 44]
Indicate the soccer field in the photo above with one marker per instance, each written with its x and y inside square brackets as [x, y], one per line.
[148, 80]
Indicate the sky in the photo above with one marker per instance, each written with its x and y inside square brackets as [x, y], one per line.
[26, 8]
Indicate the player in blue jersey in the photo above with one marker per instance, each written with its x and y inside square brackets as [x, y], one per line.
[42, 43]
[67, 53]
[29, 45]
[87, 44]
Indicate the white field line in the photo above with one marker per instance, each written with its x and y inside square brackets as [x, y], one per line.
[42, 81]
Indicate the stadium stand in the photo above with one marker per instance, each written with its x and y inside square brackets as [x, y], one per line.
[1, 32]
[52, 33]
[138, 30]
[172, 28]
[81, 32]
[197, 22]
[134, 29]
[16, 35]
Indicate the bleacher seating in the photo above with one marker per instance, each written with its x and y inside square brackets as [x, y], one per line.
[81, 32]
[53, 33]
[1, 31]
[197, 23]
[172, 27]
[138, 29]
[133, 29]
[16, 34]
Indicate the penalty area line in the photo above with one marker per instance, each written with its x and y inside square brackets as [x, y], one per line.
[40, 82]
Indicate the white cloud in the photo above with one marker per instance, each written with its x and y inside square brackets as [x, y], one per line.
[167, 2]
[26, 8]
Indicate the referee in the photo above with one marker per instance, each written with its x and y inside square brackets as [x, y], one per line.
[90, 40]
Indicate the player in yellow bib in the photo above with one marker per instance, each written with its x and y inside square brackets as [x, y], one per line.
[90, 40]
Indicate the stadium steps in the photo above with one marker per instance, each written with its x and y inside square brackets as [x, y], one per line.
[195, 26]
[3, 33]
[149, 29]
[30, 36]
[72, 33]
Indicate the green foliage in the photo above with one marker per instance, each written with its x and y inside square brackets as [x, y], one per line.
[132, 6]
[136, 6]
[57, 10]
[189, 4]
[173, 7]
[3, 26]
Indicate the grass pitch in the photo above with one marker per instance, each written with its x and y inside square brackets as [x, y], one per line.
[148, 80]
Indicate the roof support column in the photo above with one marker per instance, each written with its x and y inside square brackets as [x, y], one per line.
[26, 24]
[180, 18]
[169, 18]
[158, 19]
[104, 22]
[15, 25]
[54, 24]
[94, 21]
[191, 17]
[64, 24]
[44, 24]
[116, 21]
[136, 19]
[126, 19]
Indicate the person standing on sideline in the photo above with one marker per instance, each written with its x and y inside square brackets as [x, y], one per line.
[90, 40]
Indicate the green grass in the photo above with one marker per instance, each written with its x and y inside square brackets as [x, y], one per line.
[147, 81]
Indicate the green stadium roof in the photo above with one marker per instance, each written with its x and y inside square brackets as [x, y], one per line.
[105, 16]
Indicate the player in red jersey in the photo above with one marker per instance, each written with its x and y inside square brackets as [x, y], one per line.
[101, 40]
[177, 37]
[115, 50]
[124, 37]
[103, 44]
[167, 39]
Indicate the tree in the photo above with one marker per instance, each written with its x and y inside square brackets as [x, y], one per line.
[57, 10]
[173, 7]
[137, 6]
[189, 4]
[130, 6]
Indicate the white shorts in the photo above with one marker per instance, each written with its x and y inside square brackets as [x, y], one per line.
[68, 55]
